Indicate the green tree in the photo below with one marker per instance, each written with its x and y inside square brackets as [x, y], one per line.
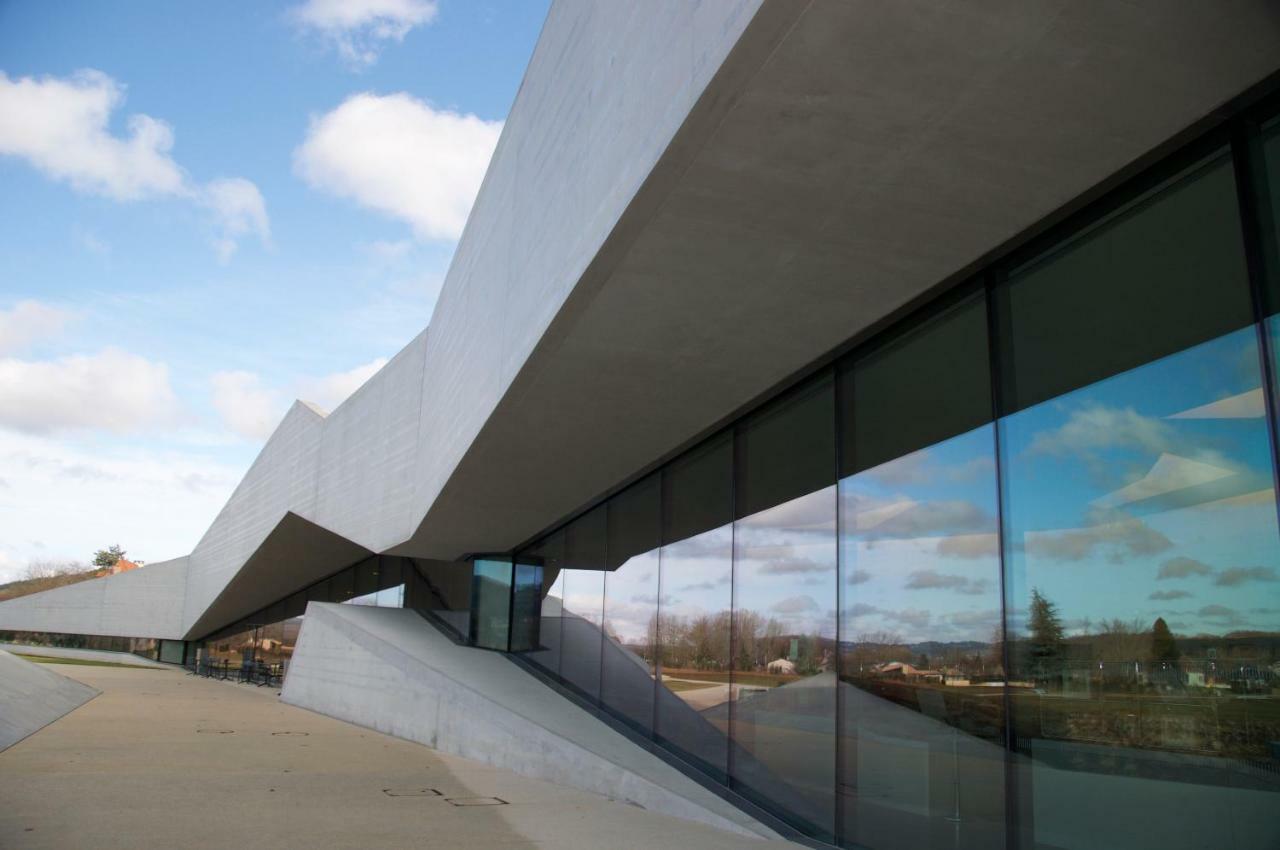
[1163, 645]
[1046, 635]
[108, 557]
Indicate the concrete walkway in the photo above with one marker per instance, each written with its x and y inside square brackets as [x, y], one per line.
[163, 760]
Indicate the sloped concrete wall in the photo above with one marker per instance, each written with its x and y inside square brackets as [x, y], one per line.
[32, 696]
[389, 670]
[146, 602]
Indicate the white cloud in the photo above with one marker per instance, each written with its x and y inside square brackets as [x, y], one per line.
[61, 127]
[331, 390]
[402, 157]
[112, 390]
[29, 322]
[238, 210]
[251, 409]
[357, 29]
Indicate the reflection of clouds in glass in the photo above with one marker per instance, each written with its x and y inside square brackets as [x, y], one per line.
[934, 580]
[1166, 595]
[794, 605]
[1118, 535]
[859, 577]
[921, 467]
[1239, 575]
[969, 546]
[1181, 567]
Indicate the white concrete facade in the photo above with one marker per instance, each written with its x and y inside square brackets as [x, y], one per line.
[691, 200]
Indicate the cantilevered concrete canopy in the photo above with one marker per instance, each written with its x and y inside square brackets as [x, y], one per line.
[690, 202]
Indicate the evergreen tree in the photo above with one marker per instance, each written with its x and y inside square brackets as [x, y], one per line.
[1046, 635]
[1163, 645]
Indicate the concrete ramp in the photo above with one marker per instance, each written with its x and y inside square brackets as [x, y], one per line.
[390, 670]
[32, 696]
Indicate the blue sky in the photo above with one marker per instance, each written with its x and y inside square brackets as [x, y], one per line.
[209, 211]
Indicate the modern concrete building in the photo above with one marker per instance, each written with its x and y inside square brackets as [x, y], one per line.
[796, 349]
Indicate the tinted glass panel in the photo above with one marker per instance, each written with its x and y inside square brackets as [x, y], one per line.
[921, 702]
[549, 554]
[1141, 545]
[491, 601]
[1161, 275]
[526, 605]
[787, 449]
[698, 490]
[631, 603]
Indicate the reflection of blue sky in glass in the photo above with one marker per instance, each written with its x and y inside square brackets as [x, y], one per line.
[918, 548]
[1149, 494]
[696, 574]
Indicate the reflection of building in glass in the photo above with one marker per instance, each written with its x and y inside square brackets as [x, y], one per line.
[804, 427]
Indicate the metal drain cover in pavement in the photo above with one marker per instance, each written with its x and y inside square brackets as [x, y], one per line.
[296, 734]
[475, 801]
[411, 792]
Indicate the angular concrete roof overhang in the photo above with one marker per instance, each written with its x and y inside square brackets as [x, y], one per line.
[848, 158]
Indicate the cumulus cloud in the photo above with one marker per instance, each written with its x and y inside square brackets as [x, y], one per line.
[358, 29]
[61, 127]
[402, 157]
[331, 390]
[1169, 595]
[29, 322]
[1233, 576]
[248, 407]
[859, 577]
[934, 580]
[1181, 567]
[112, 390]
[238, 210]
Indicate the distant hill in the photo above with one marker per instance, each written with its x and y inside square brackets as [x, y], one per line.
[26, 586]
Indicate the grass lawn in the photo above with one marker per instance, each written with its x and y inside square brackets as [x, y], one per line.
[45, 659]
[676, 686]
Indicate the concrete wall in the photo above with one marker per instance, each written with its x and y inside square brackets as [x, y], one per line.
[282, 479]
[145, 602]
[389, 670]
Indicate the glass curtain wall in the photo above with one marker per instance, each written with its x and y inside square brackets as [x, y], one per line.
[1006, 576]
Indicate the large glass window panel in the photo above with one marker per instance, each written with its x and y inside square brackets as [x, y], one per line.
[921, 696]
[1141, 542]
[491, 603]
[583, 609]
[784, 611]
[631, 603]
[694, 605]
